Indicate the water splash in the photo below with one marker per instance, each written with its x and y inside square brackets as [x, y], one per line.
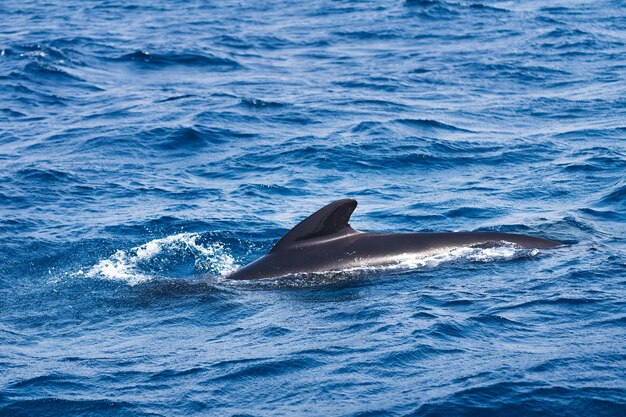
[162, 257]
[505, 251]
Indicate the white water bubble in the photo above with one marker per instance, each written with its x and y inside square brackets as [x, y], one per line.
[133, 265]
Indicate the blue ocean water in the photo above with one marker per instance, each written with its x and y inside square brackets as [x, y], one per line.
[149, 148]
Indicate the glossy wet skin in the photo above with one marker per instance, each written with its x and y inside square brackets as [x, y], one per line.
[347, 249]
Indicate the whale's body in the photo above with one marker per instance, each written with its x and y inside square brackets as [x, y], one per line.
[325, 242]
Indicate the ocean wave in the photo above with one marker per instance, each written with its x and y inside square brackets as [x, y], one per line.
[520, 396]
[256, 103]
[429, 124]
[157, 60]
[39, 50]
[616, 197]
[12, 113]
[447, 6]
[60, 406]
[191, 138]
[47, 70]
[45, 175]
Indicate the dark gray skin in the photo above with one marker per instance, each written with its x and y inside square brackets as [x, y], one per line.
[325, 242]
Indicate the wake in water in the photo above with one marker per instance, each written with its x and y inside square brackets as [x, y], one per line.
[173, 255]
[162, 257]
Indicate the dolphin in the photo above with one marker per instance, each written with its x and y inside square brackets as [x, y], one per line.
[325, 242]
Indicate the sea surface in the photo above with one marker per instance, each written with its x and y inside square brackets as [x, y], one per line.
[147, 149]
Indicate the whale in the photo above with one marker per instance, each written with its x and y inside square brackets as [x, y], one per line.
[325, 242]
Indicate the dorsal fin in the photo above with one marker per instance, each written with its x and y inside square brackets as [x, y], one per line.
[326, 221]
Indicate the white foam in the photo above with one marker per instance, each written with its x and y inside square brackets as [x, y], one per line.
[119, 267]
[503, 252]
[37, 53]
[130, 265]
